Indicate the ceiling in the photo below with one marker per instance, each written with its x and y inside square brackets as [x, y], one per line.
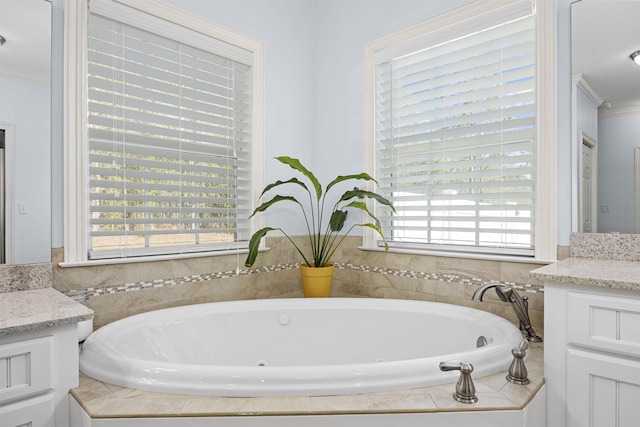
[26, 24]
[604, 34]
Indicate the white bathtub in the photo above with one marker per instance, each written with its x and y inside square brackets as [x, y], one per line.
[318, 346]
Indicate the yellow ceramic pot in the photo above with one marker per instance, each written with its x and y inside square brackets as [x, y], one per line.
[316, 281]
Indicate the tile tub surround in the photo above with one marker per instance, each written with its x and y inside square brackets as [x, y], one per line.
[21, 277]
[102, 400]
[120, 290]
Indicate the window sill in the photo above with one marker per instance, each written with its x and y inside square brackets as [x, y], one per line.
[130, 260]
[465, 255]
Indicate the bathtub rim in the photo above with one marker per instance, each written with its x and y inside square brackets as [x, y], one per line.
[190, 381]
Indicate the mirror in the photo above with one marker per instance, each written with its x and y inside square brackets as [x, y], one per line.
[25, 117]
[606, 114]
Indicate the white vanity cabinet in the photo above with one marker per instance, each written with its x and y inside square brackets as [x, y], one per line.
[592, 355]
[37, 369]
[38, 357]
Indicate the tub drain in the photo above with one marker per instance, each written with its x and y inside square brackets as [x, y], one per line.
[261, 363]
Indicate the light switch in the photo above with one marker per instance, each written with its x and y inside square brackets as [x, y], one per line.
[23, 208]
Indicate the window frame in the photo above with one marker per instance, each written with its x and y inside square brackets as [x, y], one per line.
[76, 187]
[472, 16]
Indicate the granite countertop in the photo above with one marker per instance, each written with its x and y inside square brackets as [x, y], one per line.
[602, 273]
[24, 311]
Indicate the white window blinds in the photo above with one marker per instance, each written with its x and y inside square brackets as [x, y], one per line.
[169, 140]
[455, 138]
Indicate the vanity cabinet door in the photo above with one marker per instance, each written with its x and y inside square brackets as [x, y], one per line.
[35, 412]
[25, 368]
[602, 390]
[606, 323]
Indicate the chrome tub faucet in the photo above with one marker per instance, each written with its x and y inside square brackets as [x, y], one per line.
[519, 303]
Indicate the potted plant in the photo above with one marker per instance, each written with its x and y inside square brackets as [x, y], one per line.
[324, 236]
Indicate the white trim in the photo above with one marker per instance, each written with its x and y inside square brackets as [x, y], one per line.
[619, 112]
[25, 76]
[75, 121]
[462, 255]
[546, 203]
[636, 185]
[131, 260]
[176, 24]
[192, 21]
[586, 139]
[581, 83]
[259, 135]
[546, 128]
[9, 170]
[578, 85]
[75, 125]
[575, 152]
[369, 125]
[452, 248]
[413, 37]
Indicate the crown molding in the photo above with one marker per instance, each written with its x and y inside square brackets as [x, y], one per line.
[581, 83]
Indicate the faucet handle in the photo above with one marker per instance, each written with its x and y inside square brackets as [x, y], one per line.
[518, 371]
[465, 389]
[524, 345]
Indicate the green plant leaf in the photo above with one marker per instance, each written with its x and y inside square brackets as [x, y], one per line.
[289, 181]
[359, 205]
[337, 220]
[277, 198]
[341, 178]
[363, 207]
[362, 194]
[375, 227]
[254, 244]
[322, 246]
[297, 165]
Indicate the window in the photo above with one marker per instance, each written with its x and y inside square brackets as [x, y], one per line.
[455, 134]
[170, 140]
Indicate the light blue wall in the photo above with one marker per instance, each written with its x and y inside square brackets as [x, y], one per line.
[314, 79]
[314, 51]
[565, 173]
[287, 29]
[618, 136]
[25, 104]
[586, 115]
[314, 75]
[344, 26]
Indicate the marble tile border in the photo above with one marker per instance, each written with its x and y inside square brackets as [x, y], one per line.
[24, 277]
[82, 295]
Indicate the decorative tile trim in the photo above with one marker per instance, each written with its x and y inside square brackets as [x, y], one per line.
[160, 283]
[446, 278]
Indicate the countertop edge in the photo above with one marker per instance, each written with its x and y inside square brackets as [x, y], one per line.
[29, 310]
[592, 272]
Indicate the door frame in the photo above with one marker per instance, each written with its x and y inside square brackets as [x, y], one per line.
[592, 143]
[9, 178]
